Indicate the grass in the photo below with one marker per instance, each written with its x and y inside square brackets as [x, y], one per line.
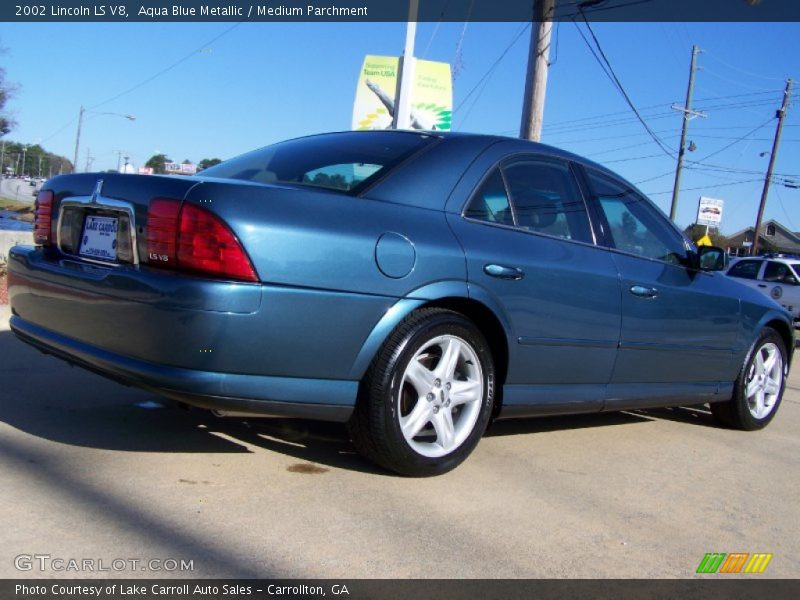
[24, 210]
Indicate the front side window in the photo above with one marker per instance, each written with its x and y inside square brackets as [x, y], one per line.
[776, 272]
[546, 199]
[746, 269]
[634, 225]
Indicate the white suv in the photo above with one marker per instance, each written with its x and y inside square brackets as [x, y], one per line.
[776, 275]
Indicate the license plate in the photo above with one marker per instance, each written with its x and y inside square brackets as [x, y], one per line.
[99, 237]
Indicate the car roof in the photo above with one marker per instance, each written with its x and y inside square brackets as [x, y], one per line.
[791, 259]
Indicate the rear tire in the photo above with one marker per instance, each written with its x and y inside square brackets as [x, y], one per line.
[427, 397]
[758, 390]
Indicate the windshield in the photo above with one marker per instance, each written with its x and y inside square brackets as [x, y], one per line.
[345, 162]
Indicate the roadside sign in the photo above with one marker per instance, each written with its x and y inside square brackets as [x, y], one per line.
[709, 211]
[431, 100]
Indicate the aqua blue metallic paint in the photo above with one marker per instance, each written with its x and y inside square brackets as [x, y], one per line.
[329, 295]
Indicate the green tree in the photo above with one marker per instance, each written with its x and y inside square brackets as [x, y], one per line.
[157, 162]
[207, 162]
[6, 91]
[51, 164]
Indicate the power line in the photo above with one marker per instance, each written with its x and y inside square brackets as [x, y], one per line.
[783, 208]
[167, 69]
[741, 70]
[59, 130]
[629, 159]
[435, 29]
[145, 81]
[724, 137]
[598, 6]
[736, 141]
[609, 71]
[728, 169]
[731, 81]
[608, 151]
[704, 187]
[493, 66]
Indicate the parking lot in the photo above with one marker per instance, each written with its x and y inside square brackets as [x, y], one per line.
[93, 470]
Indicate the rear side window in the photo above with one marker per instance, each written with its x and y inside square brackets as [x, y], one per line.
[546, 200]
[345, 162]
[635, 225]
[746, 269]
[490, 202]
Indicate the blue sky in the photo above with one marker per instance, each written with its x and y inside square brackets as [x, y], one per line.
[263, 82]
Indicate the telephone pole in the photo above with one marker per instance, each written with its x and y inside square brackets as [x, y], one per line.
[780, 114]
[536, 77]
[688, 115]
[78, 140]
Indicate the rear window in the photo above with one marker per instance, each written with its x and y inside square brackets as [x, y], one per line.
[346, 162]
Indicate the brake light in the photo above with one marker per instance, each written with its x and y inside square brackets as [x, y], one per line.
[190, 238]
[43, 217]
[162, 231]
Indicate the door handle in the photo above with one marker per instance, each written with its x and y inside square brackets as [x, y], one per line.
[644, 292]
[502, 272]
[763, 285]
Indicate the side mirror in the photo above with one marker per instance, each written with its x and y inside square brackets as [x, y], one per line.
[711, 258]
[790, 280]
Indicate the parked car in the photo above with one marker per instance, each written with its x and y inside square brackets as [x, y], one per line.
[413, 285]
[776, 275]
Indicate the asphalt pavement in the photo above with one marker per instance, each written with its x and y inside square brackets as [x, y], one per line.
[18, 189]
[92, 470]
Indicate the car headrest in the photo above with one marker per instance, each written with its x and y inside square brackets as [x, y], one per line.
[536, 213]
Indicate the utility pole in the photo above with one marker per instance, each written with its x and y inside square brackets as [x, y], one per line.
[688, 115]
[538, 65]
[405, 75]
[89, 160]
[40, 166]
[780, 114]
[78, 139]
[3, 159]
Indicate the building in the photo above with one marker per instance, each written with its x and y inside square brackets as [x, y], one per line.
[184, 168]
[775, 237]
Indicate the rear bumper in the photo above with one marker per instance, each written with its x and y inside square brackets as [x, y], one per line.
[260, 395]
[238, 347]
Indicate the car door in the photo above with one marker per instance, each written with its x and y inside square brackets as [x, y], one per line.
[678, 330]
[530, 251]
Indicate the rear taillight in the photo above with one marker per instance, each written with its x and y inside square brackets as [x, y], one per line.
[162, 232]
[190, 238]
[43, 217]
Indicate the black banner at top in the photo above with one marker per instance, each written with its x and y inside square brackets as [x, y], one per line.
[397, 10]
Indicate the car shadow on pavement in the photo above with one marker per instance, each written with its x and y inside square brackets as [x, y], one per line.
[47, 398]
[532, 425]
[699, 414]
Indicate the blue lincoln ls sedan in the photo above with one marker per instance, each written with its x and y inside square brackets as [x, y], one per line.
[413, 285]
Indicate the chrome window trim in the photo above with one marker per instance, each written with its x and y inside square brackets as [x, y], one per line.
[104, 203]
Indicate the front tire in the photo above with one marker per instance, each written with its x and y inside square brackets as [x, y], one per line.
[427, 397]
[758, 389]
